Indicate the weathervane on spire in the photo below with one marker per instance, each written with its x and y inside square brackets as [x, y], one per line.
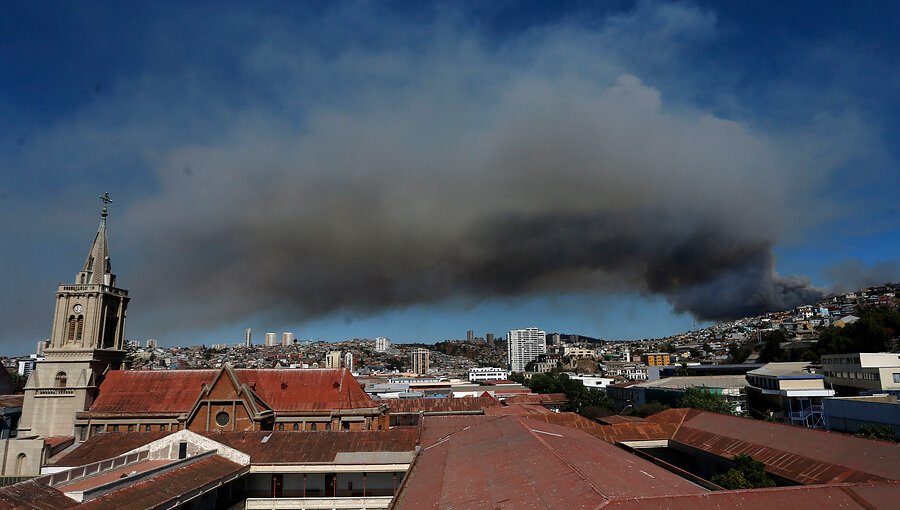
[106, 200]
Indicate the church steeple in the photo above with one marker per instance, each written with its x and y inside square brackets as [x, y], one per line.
[97, 269]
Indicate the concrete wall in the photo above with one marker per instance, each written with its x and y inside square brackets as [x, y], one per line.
[848, 414]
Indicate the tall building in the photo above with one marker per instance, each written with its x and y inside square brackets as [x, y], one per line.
[523, 346]
[86, 341]
[418, 361]
[333, 359]
[470, 336]
[489, 338]
[271, 339]
[152, 343]
[248, 337]
[348, 361]
[382, 343]
[287, 338]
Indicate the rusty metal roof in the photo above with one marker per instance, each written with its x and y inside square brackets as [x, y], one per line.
[443, 405]
[538, 398]
[167, 486]
[106, 446]
[514, 462]
[174, 392]
[803, 455]
[33, 495]
[307, 447]
[842, 496]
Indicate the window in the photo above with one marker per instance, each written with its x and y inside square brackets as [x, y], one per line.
[162, 428]
[20, 464]
[281, 426]
[222, 418]
[897, 378]
[131, 428]
[61, 379]
[312, 426]
[98, 429]
[296, 427]
[146, 428]
[115, 428]
[82, 433]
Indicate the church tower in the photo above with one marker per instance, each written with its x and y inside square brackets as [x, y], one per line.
[86, 341]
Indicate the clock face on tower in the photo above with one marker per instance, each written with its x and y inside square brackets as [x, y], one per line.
[77, 308]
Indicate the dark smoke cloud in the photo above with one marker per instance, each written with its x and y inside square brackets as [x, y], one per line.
[340, 167]
[854, 274]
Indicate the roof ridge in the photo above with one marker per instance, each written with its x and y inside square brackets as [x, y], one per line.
[563, 459]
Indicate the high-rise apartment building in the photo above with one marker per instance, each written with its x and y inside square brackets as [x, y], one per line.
[333, 359]
[348, 361]
[523, 346]
[248, 337]
[271, 339]
[287, 338]
[489, 338]
[418, 361]
[382, 343]
[152, 343]
[470, 336]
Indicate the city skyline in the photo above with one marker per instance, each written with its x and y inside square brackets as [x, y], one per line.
[414, 171]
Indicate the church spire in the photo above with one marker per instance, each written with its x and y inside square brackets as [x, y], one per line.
[97, 269]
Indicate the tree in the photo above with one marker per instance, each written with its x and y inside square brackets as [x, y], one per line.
[701, 398]
[771, 350]
[682, 371]
[747, 473]
[883, 432]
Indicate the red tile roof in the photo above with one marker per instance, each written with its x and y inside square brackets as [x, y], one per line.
[306, 447]
[513, 462]
[166, 487]
[150, 392]
[443, 405]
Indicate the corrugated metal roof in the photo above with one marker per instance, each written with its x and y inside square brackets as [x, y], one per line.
[443, 405]
[155, 491]
[831, 497]
[174, 392]
[148, 392]
[307, 447]
[538, 398]
[106, 446]
[513, 462]
[33, 495]
[803, 455]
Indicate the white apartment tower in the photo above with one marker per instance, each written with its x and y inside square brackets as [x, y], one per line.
[287, 338]
[523, 346]
[418, 361]
[348, 361]
[271, 339]
[333, 359]
[248, 337]
[382, 343]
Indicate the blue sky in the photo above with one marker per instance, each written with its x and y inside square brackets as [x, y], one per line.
[415, 169]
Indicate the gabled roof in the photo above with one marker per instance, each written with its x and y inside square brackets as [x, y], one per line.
[176, 392]
[514, 462]
[537, 398]
[150, 392]
[285, 390]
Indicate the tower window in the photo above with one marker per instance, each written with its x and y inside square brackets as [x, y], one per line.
[70, 330]
[222, 418]
[61, 380]
[79, 328]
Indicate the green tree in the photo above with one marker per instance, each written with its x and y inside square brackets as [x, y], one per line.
[682, 371]
[650, 408]
[883, 432]
[701, 398]
[747, 473]
[771, 350]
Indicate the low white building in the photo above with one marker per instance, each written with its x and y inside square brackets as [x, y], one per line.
[488, 374]
[593, 382]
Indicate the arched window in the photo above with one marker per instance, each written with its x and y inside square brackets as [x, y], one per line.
[61, 380]
[20, 464]
[70, 330]
[79, 328]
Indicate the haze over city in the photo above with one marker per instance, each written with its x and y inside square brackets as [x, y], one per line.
[416, 170]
